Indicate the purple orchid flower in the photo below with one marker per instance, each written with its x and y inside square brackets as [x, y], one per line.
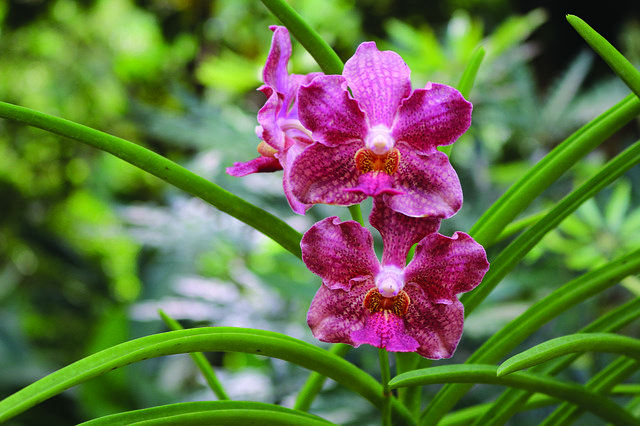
[382, 139]
[283, 136]
[390, 305]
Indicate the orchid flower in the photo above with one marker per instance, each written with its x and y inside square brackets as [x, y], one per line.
[376, 136]
[283, 136]
[390, 305]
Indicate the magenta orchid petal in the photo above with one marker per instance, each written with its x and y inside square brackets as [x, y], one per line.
[257, 165]
[328, 110]
[335, 314]
[392, 133]
[433, 116]
[446, 266]
[283, 135]
[384, 330]
[402, 309]
[437, 327]
[379, 81]
[320, 174]
[275, 72]
[373, 184]
[429, 185]
[399, 232]
[341, 253]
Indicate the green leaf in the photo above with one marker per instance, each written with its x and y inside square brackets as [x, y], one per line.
[591, 401]
[518, 197]
[570, 294]
[199, 360]
[510, 256]
[512, 400]
[603, 382]
[600, 342]
[211, 412]
[165, 169]
[618, 63]
[230, 339]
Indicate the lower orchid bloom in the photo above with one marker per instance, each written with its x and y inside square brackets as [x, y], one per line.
[410, 308]
[283, 136]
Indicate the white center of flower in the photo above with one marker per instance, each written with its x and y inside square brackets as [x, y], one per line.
[379, 139]
[390, 280]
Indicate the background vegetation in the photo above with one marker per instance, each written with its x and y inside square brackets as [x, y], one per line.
[91, 247]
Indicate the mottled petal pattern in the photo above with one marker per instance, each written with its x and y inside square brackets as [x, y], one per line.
[321, 173]
[445, 266]
[335, 314]
[328, 110]
[437, 327]
[373, 184]
[385, 330]
[433, 116]
[429, 185]
[379, 81]
[341, 253]
[399, 232]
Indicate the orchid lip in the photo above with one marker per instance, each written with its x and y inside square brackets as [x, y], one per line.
[379, 139]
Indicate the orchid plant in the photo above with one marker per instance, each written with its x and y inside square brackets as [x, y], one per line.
[362, 131]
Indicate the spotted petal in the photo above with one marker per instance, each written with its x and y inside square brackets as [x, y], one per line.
[429, 185]
[341, 253]
[328, 110]
[433, 116]
[446, 266]
[399, 232]
[437, 327]
[321, 173]
[335, 314]
[379, 82]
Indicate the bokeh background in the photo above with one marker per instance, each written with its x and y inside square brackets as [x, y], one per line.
[91, 247]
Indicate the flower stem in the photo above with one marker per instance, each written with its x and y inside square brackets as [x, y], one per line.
[356, 213]
[385, 376]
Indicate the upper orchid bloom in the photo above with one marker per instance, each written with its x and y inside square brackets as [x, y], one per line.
[390, 305]
[382, 139]
[283, 136]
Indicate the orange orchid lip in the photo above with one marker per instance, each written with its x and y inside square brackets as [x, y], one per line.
[368, 161]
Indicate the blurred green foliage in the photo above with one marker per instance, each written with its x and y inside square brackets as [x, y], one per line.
[91, 247]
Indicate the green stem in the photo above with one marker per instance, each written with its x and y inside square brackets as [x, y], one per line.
[385, 376]
[324, 55]
[201, 362]
[356, 213]
[165, 169]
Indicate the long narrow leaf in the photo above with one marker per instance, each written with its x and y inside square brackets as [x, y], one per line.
[212, 412]
[599, 342]
[518, 197]
[516, 331]
[230, 339]
[574, 393]
[511, 401]
[510, 256]
[603, 382]
[164, 169]
[618, 63]
[199, 360]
